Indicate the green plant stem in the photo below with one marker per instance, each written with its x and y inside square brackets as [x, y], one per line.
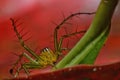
[89, 48]
[100, 23]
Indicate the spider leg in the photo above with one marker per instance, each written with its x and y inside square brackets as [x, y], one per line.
[23, 66]
[25, 69]
[19, 69]
[17, 72]
[20, 38]
[57, 43]
[16, 64]
[30, 65]
[66, 36]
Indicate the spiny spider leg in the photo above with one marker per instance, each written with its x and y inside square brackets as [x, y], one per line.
[66, 36]
[16, 63]
[23, 66]
[21, 40]
[17, 72]
[57, 44]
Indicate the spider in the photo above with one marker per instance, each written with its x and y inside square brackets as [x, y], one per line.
[47, 57]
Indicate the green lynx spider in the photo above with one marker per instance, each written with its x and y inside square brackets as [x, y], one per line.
[47, 57]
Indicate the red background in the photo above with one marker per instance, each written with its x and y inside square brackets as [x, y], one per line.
[38, 17]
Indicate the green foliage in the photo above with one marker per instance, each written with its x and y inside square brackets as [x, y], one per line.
[87, 49]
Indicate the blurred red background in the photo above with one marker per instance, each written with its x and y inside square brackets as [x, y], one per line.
[38, 17]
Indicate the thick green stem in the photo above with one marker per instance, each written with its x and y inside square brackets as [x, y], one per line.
[99, 24]
[82, 57]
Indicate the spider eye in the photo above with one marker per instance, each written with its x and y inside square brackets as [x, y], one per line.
[45, 49]
[48, 50]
